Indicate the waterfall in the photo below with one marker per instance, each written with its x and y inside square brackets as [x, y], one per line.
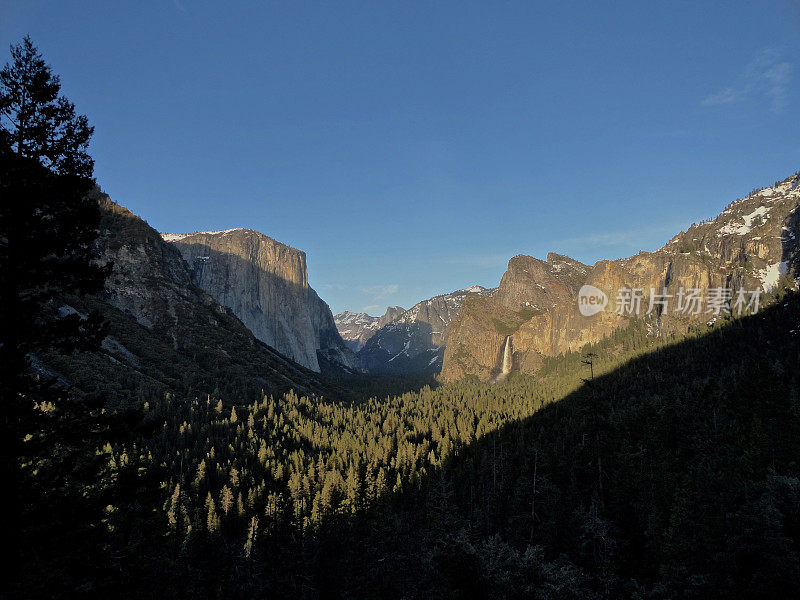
[507, 358]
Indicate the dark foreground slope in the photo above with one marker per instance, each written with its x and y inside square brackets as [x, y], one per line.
[674, 476]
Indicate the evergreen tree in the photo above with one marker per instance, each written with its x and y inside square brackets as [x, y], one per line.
[36, 122]
[226, 499]
[48, 228]
[212, 520]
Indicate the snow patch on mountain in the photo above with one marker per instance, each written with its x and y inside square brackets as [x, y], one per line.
[404, 344]
[771, 274]
[748, 225]
[174, 237]
[350, 318]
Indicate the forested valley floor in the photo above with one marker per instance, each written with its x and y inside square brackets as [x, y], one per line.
[673, 473]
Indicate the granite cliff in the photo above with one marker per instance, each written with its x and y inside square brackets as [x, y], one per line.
[265, 284]
[165, 332]
[750, 246]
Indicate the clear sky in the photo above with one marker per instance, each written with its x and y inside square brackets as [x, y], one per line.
[412, 148]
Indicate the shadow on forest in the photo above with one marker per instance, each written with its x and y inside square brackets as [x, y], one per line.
[653, 474]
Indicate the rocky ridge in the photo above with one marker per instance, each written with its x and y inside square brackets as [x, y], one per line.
[414, 341]
[357, 328]
[750, 246]
[165, 332]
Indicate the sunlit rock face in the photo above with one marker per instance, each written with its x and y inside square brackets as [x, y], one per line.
[529, 287]
[162, 326]
[751, 245]
[265, 284]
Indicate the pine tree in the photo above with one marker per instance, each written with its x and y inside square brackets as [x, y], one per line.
[352, 489]
[226, 499]
[252, 531]
[262, 453]
[173, 512]
[212, 520]
[201, 473]
[48, 227]
[381, 484]
[36, 122]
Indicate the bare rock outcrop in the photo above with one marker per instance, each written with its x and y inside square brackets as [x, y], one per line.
[752, 245]
[165, 333]
[265, 284]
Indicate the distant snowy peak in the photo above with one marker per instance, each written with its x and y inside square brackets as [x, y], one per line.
[756, 236]
[355, 328]
[744, 215]
[441, 308]
[760, 214]
[350, 318]
[404, 341]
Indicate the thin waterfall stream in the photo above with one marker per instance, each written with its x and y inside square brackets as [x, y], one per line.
[507, 357]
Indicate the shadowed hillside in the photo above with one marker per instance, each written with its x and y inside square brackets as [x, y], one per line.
[674, 475]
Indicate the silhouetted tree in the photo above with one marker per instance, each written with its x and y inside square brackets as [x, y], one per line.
[48, 228]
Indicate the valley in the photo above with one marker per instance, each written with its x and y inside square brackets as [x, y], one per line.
[259, 444]
[184, 415]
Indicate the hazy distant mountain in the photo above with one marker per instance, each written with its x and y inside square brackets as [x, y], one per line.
[357, 328]
[751, 245]
[414, 341]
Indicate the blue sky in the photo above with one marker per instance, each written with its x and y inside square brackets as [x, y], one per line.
[412, 148]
